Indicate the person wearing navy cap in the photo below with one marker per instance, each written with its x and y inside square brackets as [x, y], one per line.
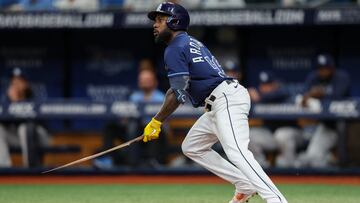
[195, 75]
[26, 134]
[19, 88]
[269, 90]
[326, 83]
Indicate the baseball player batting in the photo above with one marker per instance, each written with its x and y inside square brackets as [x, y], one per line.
[195, 74]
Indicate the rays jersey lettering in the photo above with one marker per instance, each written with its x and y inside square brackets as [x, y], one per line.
[195, 48]
[187, 56]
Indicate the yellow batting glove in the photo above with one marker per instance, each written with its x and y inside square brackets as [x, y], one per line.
[152, 130]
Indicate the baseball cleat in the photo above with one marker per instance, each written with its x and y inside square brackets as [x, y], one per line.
[241, 197]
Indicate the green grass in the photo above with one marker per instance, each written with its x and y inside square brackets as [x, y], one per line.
[166, 193]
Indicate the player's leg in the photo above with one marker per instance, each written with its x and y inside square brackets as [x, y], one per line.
[197, 146]
[232, 124]
[5, 160]
[288, 138]
[261, 139]
[23, 137]
[318, 151]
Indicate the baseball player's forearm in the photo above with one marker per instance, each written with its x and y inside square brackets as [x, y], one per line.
[170, 104]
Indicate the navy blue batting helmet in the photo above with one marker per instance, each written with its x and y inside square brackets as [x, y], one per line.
[178, 19]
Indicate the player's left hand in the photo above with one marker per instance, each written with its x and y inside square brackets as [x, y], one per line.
[152, 130]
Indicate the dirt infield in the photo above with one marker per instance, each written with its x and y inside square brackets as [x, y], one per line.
[186, 179]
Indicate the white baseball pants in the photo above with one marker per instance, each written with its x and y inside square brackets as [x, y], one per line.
[227, 122]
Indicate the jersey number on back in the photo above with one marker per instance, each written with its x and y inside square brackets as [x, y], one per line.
[215, 65]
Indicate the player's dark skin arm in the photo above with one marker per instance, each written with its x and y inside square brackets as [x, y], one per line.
[169, 105]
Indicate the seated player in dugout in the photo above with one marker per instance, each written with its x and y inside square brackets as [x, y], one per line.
[125, 129]
[270, 90]
[29, 135]
[326, 83]
[195, 74]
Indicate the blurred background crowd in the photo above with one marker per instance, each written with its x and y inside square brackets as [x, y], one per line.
[305, 66]
[144, 5]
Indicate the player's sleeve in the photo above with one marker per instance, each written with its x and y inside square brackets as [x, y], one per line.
[178, 86]
[176, 62]
[341, 87]
[309, 82]
[178, 71]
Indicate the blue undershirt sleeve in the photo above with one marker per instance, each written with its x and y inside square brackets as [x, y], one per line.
[178, 85]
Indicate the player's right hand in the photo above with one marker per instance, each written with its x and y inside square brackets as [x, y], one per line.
[152, 130]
